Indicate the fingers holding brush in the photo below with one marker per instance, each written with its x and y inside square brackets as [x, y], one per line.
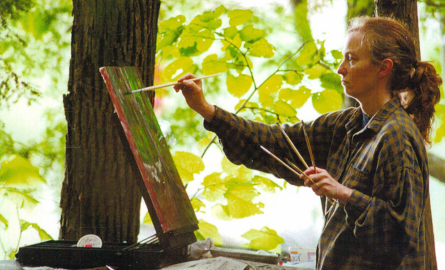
[191, 88]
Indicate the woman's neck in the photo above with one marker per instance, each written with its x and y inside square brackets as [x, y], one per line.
[372, 103]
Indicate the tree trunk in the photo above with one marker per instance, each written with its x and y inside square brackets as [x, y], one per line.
[406, 12]
[100, 194]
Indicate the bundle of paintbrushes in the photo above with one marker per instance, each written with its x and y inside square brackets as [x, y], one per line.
[296, 154]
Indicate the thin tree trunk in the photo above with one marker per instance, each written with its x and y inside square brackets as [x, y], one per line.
[100, 194]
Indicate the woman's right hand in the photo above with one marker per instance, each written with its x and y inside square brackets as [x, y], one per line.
[193, 94]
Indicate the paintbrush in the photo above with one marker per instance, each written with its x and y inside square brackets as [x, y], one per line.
[279, 160]
[150, 88]
[292, 145]
[309, 146]
[299, 170]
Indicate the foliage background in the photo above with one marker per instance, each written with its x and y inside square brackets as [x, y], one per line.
[34, 59]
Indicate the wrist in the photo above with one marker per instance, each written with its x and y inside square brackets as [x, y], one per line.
[208, 112]
[344, 195]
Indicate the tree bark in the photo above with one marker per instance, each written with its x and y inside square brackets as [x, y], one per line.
[405, 11]
[100, 194]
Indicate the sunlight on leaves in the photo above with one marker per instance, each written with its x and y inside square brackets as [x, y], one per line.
[214, 188]
[296, 98]
[250, 34]
[197, 204]
[315, 71]
[208, 230]
[182, 64]
[266, 239]
[260, 48]
[266, 184]
[238, 86]
[327, 101]
[4, 221]
[307, 54]
[292, 78]
[282, 108]
[24, 225]
[188, 164]
[21, 198]
[17, 171]
[440, 130]
[269, 88]
[211, 65]
[239, 16]
[331, 80]
[238, 207]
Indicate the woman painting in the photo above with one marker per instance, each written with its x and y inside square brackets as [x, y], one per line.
[371, 161]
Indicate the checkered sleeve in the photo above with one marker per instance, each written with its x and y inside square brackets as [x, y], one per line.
[241, 140]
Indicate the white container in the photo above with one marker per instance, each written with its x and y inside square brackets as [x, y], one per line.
[300, 255]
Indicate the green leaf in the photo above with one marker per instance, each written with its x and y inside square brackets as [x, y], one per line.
[238, 86]
[250, 34]
[440, 114]
[212, 65]
[330, 80]
[327, 101]
[4, 221]
[12, 254]
[214, 188]
[208, 230]
[42, 233]
[265, 184]
[188, 164]
[297, 98]
[180, 65]
[230, 32]
[17, 171]
[197, 204]
[147, 219]
[171, 23]
[194, 42]
[266, 239]
[21, 198]
[315, 71]
[307, 54]
[260, 48]
[242, 190]
[239, 16]
[292, 78]
[268, 89]
[282, 108]
[337, 54]
[169, 31]
[238, 207]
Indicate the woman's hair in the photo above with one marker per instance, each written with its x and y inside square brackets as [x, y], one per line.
[386, 38]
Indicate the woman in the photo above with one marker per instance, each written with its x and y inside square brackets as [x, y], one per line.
[371, 161]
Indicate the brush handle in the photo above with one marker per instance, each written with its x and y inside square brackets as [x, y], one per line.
[169, 84]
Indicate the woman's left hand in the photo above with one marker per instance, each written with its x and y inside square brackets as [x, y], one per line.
[324, 185]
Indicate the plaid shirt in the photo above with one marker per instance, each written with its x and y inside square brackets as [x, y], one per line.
[383, 225]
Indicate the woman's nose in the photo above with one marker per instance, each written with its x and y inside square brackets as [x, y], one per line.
[341, 69]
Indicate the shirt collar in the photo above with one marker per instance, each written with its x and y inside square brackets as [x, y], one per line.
[377, 120]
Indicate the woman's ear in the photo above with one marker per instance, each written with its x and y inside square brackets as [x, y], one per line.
[385, 67]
